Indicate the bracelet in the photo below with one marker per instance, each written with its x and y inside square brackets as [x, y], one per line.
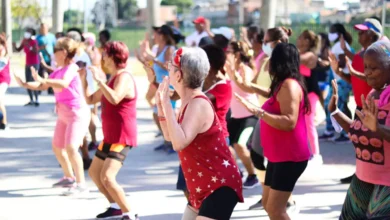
[335, 112]
[161, 118]
[260, 113]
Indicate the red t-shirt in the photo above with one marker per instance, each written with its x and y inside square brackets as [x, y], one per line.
[222, 91]
[31, 57]
[359, 86]
[208, 164]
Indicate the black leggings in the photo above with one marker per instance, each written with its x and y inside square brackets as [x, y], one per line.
[219, 204]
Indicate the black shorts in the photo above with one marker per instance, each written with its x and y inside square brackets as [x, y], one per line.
[112, 151]
[181, 181]
[258, 160]
[283, 176]
[236, 126]
[219, 204]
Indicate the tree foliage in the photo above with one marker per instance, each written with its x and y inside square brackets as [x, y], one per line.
[22, 9]
[182, 5]
[127, 9]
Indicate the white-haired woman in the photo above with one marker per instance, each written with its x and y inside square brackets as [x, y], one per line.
[213, 180]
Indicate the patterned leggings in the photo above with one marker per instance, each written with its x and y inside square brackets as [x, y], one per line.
[366, 201]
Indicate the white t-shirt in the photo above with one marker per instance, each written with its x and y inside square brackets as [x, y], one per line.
[337, 50]
[83, 56]
[195, 37]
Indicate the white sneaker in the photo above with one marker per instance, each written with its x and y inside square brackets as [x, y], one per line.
[316, 160]
[76, 190]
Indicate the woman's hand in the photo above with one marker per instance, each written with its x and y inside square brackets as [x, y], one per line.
[335, 97]
[334, 64]
[19, 80]
[252, 108]
[163, 93]
[369, 114]
[342, 43]
[96, 73]
[36, 76]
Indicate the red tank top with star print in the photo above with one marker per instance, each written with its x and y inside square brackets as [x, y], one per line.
[208, 164]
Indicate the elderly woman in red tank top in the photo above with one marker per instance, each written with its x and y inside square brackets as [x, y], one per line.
[212, 176]
[119, 124]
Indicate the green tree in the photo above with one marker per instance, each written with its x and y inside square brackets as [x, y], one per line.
[127, 9]
[22, 9]
[182, 5]
[73, 17]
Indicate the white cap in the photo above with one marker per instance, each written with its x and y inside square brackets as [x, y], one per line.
[225, 31]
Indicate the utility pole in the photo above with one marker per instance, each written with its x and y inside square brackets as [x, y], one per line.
[268, 14]
[153, 13]
[6, 22]
[86, 13]
[241, 18]
[57, 16]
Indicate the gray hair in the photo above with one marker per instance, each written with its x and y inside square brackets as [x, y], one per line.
[381, 49]
[74, 35]
[195, 67]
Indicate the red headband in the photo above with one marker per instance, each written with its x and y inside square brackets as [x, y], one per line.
[177, 58]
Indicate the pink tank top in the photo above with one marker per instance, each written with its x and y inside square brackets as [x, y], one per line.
[293, 146]
[238, 110]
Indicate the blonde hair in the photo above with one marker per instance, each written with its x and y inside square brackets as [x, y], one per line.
[69, 45]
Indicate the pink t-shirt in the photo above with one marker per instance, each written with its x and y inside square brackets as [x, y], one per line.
[372, 151]
[73, 95]
[31, 57]
[237, 109]
[283, 146]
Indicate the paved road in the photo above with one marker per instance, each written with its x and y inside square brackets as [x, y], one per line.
[28, 169]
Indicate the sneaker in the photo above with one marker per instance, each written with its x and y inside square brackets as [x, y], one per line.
[64, 182]
[110, 213]
[316, 160]
[292, 208]
[75, 190]
[3, 126]
[30, 103]
[347, 180]
[36, 104]
[326, 136]
[87, 163]
[257, 206]
[158, 134]
[92, 146]
[160, 147]
[342, 140]
[251, 182]
[126, 217]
